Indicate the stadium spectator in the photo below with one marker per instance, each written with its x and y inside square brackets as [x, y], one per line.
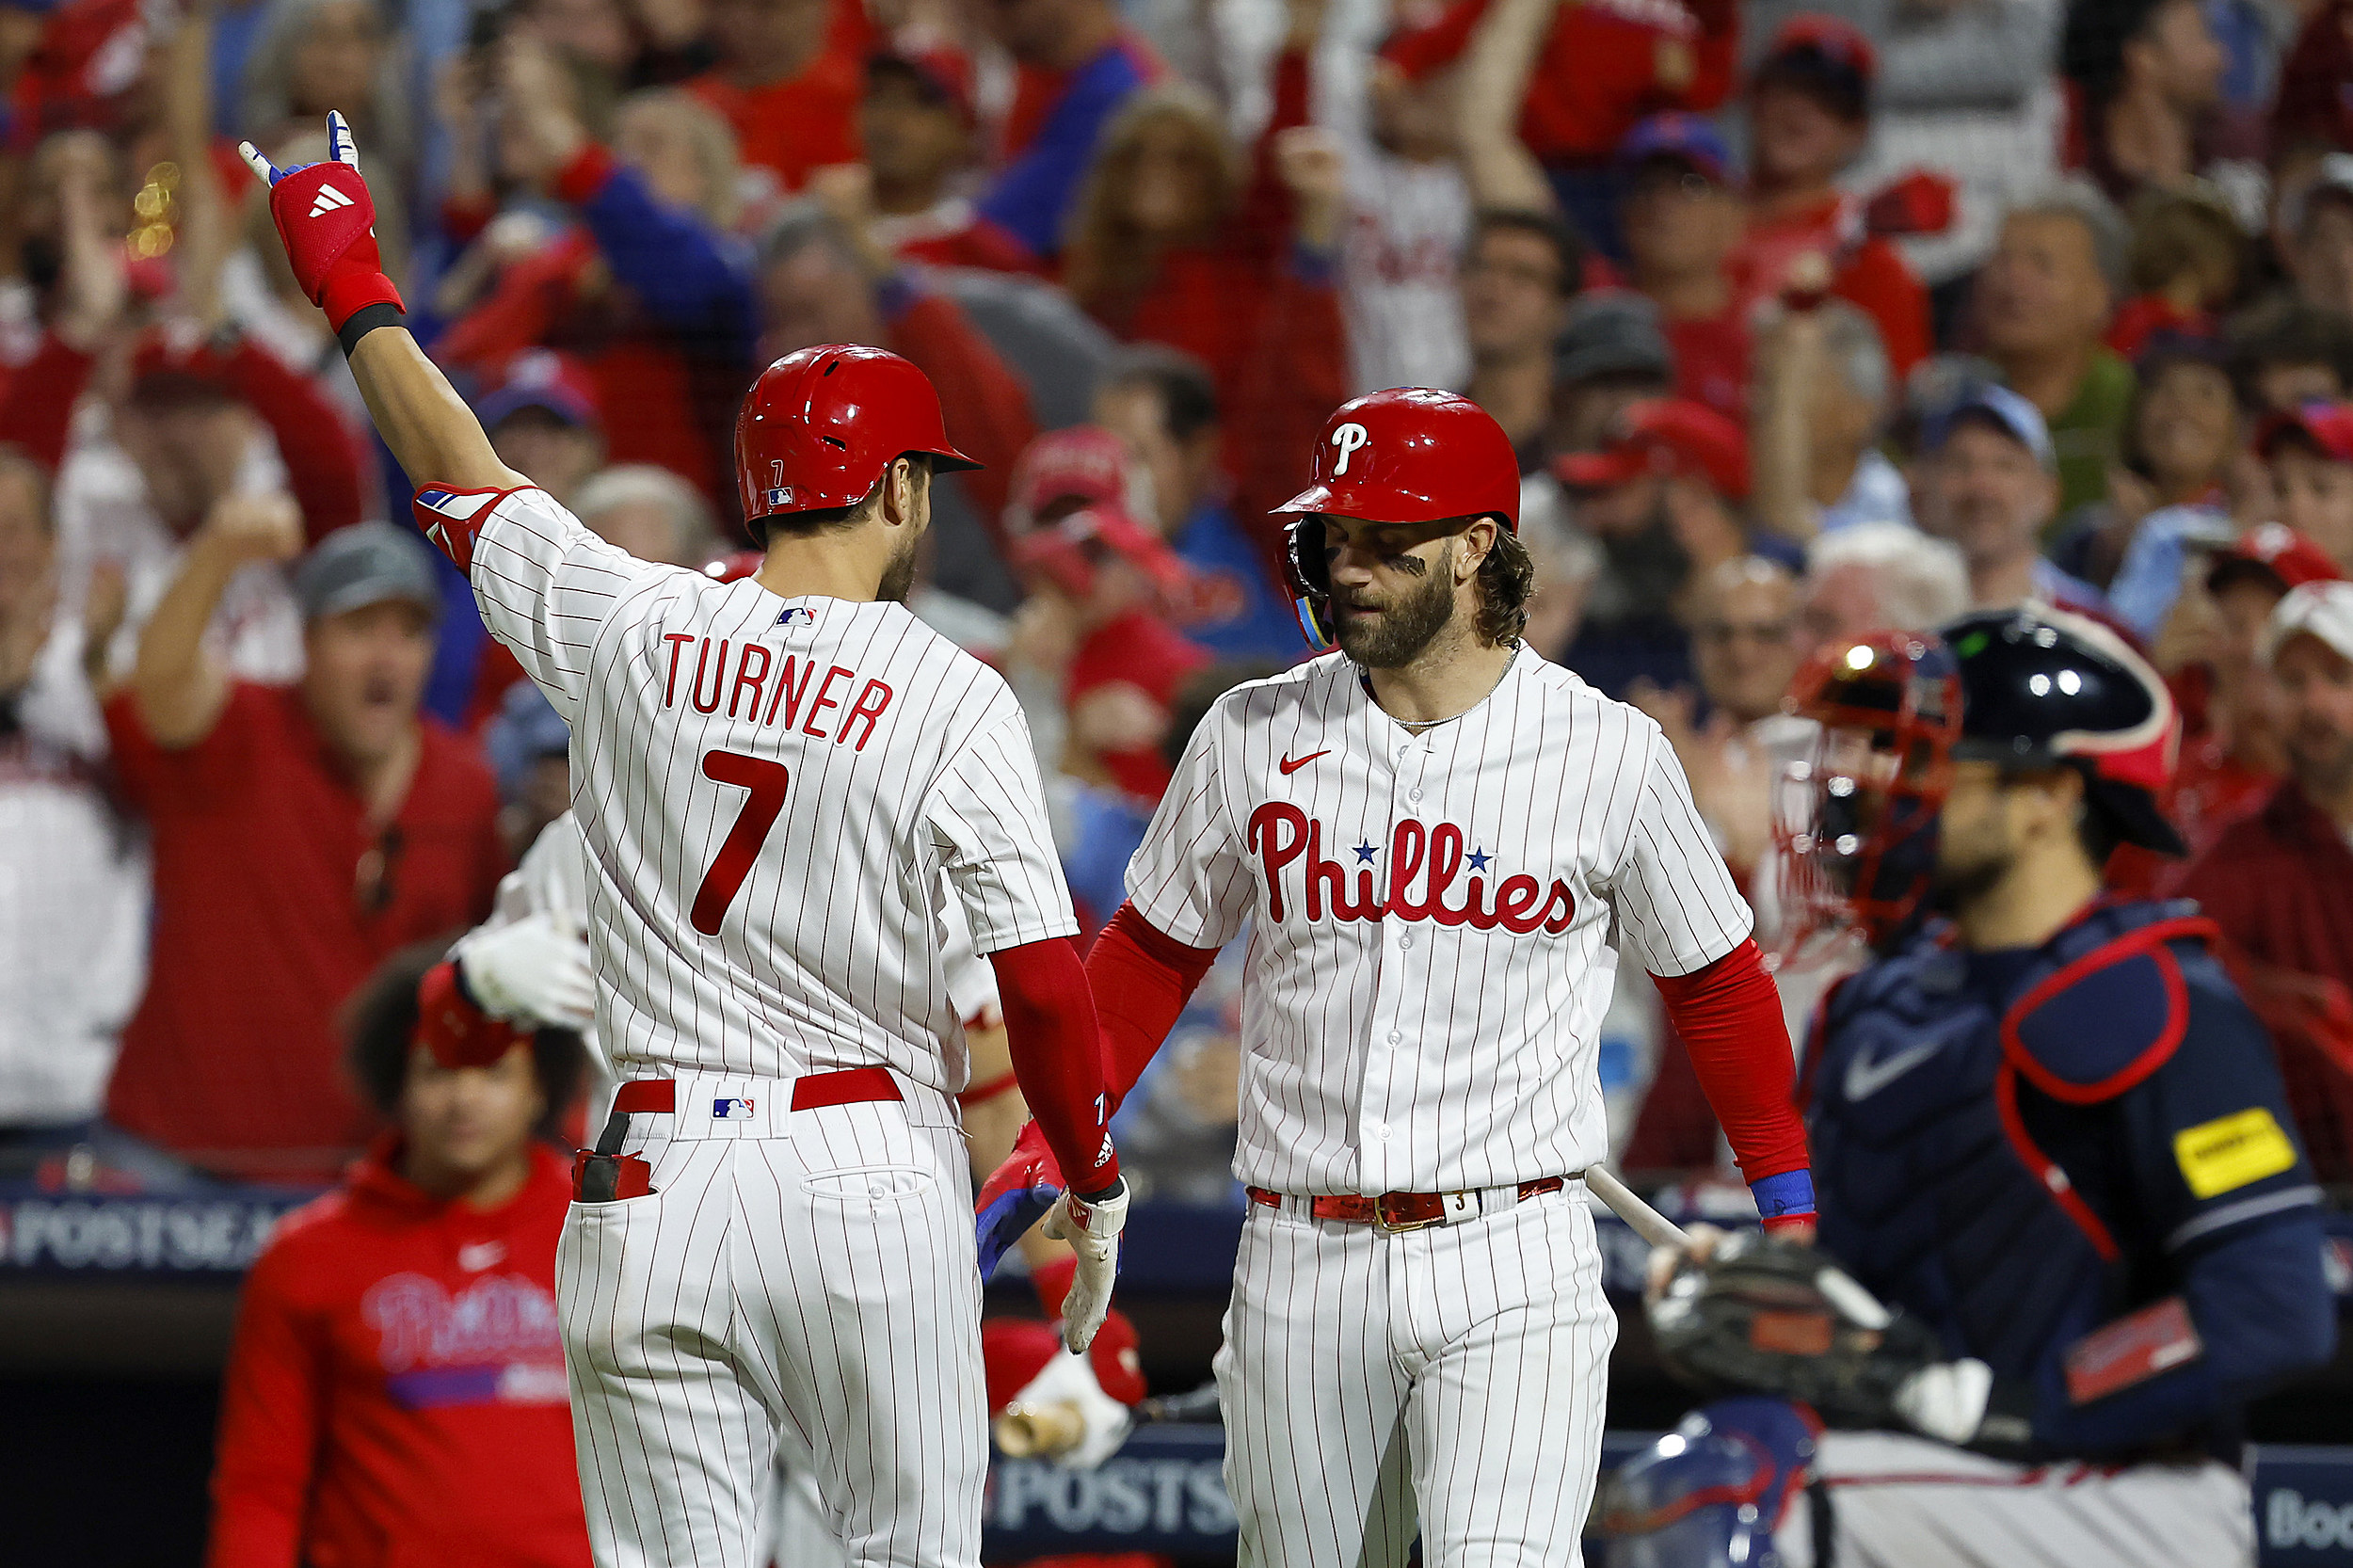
[2310, 452]
[1163, 405]
[1077, 65]
[2148, 81]
[1820, 406]
[1662, 497]
[1611, 351]
[2187, 262]
[1810, 118]
[1730, 734]
[2316, 235]
[1875, 576]
[73, 927]
[316, 55]
[649, 292]
[1988, 481]
[2278, 880]
[1408, 208]
[648, 511]
[301, 834]
[543, 422]
[2042, 303]
[2308, 113]
[918, 127]
[2284, 353]
[786, 83]
[395, 1389]
[1520, 272]
[1680, 220]
[529, 749]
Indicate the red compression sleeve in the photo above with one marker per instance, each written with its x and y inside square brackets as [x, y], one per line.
[1729, 1016]
[1050, 1031]
[1153, 976]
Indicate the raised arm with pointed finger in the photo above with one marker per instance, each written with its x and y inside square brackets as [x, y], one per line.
[327, 221]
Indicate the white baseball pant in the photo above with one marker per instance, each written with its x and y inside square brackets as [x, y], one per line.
[806, 1273]
[1900, 1501]
[1452, 1376]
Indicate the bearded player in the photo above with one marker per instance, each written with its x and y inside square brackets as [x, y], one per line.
[771, 776]
[1444, 843]
[2047, 1130]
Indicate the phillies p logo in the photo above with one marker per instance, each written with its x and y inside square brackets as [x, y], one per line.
[1347, 437]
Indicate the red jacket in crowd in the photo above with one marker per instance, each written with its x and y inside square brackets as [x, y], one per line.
[1867, 271]
[2278, 881]
[1607, 65]
[395, 1394]
[274, 899]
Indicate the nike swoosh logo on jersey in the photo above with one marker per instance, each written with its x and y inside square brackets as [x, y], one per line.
[1866, 1076]
[1293, 764]
[329, 200]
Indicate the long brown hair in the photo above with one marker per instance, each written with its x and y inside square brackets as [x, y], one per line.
[1108, 261]
[1507, 581]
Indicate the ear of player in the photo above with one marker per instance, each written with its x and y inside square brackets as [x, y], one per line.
[327, 221]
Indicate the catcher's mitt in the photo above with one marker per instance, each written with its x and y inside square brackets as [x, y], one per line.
[1774, 1317]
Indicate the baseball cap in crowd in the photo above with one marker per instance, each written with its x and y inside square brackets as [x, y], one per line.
[1611, 332]
[541, 379]
[2272, 554]
[2328, 427]
[1664, 436]
[1826, 57]
[943, 76]
[2331, 181]
[2323, 610]
[526, 731]
[1088, 465]
[1685, 138]
[1998, 407]
[367, 563]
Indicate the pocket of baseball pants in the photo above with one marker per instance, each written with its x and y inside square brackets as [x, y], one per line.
[876, 1184]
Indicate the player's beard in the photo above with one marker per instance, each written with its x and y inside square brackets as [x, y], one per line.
[898, 577]
[1401, 630]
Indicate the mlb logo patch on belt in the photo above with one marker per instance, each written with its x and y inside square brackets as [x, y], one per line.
[731, 1110]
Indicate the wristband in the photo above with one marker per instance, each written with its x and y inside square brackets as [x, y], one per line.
[1786, 1196]
[366, 320]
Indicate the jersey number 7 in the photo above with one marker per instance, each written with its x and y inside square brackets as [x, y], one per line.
[766, 779]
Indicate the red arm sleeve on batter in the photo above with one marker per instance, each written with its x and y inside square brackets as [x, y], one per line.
[1052, 1033]
[272, 1413]
[1152, 976]
[1729, 1016]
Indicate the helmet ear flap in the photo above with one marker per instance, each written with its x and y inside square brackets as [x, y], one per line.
[1312, 581]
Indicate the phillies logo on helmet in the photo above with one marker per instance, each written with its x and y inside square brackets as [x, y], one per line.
[1349, 437]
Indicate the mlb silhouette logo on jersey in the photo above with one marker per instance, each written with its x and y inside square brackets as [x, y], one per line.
[731, 1110]
[798, 614]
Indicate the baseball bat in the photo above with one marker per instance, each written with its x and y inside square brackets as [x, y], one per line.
[1648, 1223]
[1049, 1430]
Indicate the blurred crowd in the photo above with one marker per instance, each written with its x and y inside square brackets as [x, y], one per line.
[1804, 322]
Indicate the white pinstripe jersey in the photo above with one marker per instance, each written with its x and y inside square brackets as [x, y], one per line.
[770, 790]
[1435, 918]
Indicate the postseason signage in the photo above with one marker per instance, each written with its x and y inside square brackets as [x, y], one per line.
[210, 1238]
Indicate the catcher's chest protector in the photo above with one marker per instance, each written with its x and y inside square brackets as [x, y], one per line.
[1945, 1182]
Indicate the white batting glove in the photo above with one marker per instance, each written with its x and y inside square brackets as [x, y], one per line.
[1069, 1381]
[1947, 1400]
[1093, 1231]
[534, 971]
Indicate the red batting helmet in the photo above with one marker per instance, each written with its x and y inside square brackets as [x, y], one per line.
[822, 424]
[1407, 455]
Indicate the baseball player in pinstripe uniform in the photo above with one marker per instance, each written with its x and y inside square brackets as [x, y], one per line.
[771, 776]
[1444, 843]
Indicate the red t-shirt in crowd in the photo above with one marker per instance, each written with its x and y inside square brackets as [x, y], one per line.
[395, 1394]
[1865, 271]
[262, 858]
[1712, 363]
[798, 123]
[1141, 650]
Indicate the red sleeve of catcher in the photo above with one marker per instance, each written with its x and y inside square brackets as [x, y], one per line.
[1729, 1016]
[1150, 976]
[1050, 1031]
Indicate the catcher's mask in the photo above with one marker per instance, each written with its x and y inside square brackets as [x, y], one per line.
[1854, 824]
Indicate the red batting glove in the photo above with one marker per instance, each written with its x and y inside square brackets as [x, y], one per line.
[327, 221]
